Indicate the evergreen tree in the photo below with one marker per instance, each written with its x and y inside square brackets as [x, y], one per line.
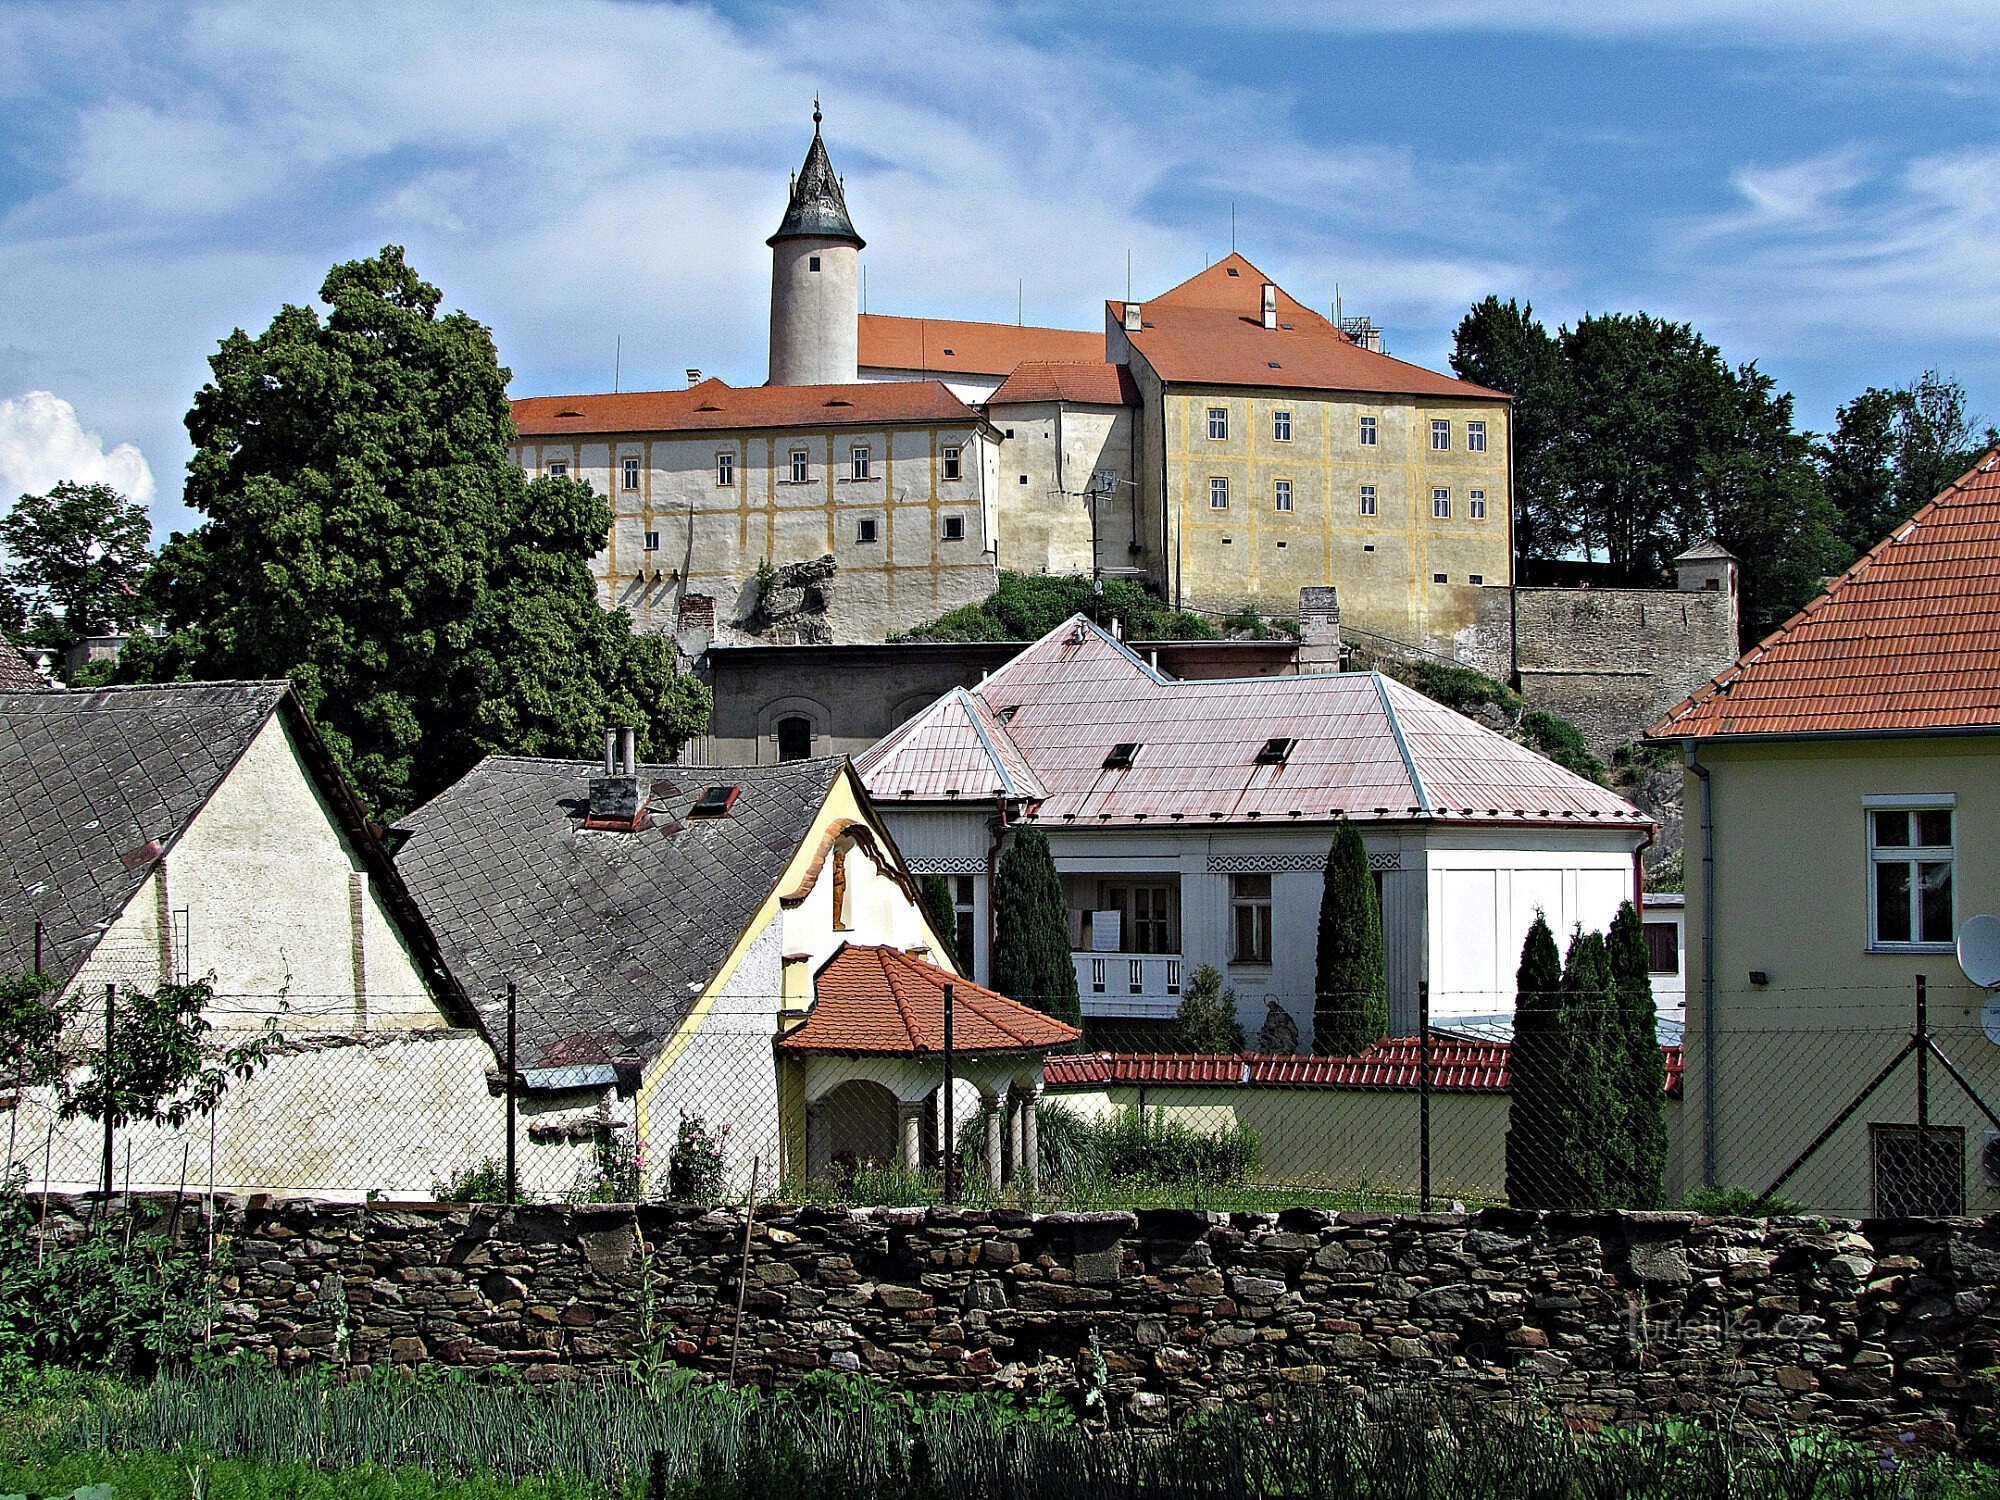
[1206, 1021]
[1594, 1156]
[1639, 1069]
[1534, 1137]
[1351, 1000]
[943, 912]
[1031, 961]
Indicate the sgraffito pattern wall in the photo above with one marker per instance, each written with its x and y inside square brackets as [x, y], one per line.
[1882, 1327]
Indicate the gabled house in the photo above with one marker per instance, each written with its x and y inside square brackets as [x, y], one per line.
[1841, 778]
[1190, 822]
[743, 944]
[202, 831]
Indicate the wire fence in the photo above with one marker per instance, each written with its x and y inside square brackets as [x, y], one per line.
[1868, 1101]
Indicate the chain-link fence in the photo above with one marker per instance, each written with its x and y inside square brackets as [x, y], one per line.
[1856, 1103]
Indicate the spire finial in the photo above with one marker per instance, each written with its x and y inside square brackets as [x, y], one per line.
[815, 112]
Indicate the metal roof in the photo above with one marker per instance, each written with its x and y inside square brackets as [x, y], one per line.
[817, 208]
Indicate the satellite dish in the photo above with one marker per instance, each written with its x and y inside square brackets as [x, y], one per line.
[1979, 950]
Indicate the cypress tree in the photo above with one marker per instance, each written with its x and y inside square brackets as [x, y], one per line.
[1351, 1002]
[1031, 961]
[1533, 1138]
[1639, 1069]
[943, 912]
[1593, 1158]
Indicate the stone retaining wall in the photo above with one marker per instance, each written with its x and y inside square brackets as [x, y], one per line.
[1888, 1326]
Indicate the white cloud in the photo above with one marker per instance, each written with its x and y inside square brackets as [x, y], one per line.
[42, 443]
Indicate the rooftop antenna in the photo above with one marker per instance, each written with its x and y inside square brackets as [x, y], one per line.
[1336, 304]
[617, 362]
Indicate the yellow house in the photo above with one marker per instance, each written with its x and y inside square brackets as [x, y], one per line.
[1843, 778]
[665, 928]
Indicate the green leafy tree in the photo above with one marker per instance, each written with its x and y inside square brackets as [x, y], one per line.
[943, 912]
[1638, 1069]
[161, 1067]
[1892, 450]
[1206, 1020]
[368, 537]
[1351, 997]
[1028, 606]
[1535, 1125]
[32, 1018]
[78, 556]
[1031, 960]
[1503, 345]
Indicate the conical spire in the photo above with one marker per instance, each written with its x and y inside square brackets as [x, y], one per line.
[818, 209]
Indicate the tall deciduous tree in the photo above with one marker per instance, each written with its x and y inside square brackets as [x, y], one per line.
[1535, 1064]
[1503, 345]
[1031, 961]
[1351, 995]
[1638, 1069]
[76, 558]
[1893, 449]
[369, 538]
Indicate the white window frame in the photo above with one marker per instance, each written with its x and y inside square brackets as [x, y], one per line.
[1475, 437]
[558, 468]
[630, 467]
[945, 524]
[725, 471]
[1242, 899]
[1281, 495]
[1281, 426]
[867, 530]
[860, 462]
[1369, 433]
[1475, 505]
[1441, 502]
[1218, 492]
[1368, 507]
[1218, 424]
[1440, 434]
[954, 464]
[1910, 856]
[801, 466]
[652, 541]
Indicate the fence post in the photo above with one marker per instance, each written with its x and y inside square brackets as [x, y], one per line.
[950, 1115]
[1924, 1087]
[110, 1084]
[513, 1182]
[1424, 1095]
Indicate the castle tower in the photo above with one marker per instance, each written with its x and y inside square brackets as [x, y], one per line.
[815, 279]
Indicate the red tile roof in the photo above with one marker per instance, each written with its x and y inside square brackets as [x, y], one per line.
[1209, 330]
[1096, 384]
[1457, 1066]
[949, 346]
[1365, 747]
[715, 406]
[1906, 639]
[881, 1001]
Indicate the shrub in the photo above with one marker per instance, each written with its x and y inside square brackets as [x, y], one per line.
[1027, 606]
[1171, 1153]
[1206, 1020]
[617, 1173]
[482, 1182]
[695, 1165]
[1735, 1203]
[1462, 689]
[1562, 742]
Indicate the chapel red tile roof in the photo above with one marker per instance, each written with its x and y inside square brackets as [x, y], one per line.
[1906, 639]
[1363, 746]
[881, 1001]
[949, 345]
[1209, 330]
[1096, 384]
[715, 406]
[1457, 1066]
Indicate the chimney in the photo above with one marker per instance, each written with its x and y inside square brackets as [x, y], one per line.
[1270, 305]
[615, 806]
[1133, 312]
[1319, 630]
[694, 375]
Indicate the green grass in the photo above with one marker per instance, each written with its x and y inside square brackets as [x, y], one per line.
[175, 1476]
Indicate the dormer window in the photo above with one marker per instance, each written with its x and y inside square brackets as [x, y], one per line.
[1277, 750]
[1122, 755]
[715, 802]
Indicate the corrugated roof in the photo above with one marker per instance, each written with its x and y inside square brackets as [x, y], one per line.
[1457, 1066]
[1210, 330]
[1906, 639]
[953, 346]
[1040, 381]
[953, 749]
[877, 1000]
[1364, 747]
[715, 406]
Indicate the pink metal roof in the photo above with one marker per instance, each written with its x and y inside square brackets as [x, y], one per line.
[1366, 747]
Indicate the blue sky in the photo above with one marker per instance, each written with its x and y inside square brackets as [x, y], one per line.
[1815, 185]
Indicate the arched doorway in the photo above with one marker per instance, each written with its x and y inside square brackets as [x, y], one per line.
[795, 737]
[851, 1127]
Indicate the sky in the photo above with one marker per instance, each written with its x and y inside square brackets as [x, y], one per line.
[1814, 184]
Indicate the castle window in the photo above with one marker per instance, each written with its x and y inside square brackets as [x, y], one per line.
[866, 529]
[795, 737]
[1367, 499]
[652, 541]
[558, 469]
[1281, 494]
[1440, 504]
[1440, 434]
[1218, 493]
[1218, 422]
[1475, 437]
[800, 459]
[1440, 578]
[954, 468]
[858, 460]
[1367, 432]
[1475, 504]
[631, 473]
[812, 263]
[725, 469]
[951, 528]
[1281, 426]
[1475, 578]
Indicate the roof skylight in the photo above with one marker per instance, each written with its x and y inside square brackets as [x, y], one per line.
[1122, 755]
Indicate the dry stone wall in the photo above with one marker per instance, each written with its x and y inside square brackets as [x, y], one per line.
[1879, 1327]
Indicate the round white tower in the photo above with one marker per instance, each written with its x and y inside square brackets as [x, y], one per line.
[815, 279]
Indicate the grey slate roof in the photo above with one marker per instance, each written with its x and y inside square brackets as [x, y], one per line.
[818, 208]
[609, 937]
